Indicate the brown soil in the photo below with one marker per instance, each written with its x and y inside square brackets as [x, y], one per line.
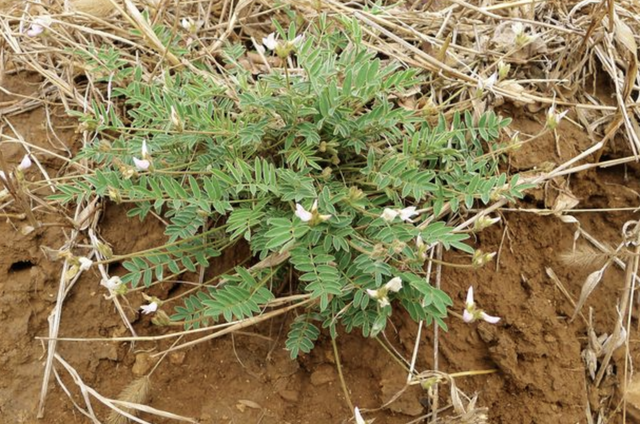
[248, 378]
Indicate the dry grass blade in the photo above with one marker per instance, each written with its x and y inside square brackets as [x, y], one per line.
[136, 392]
[589, 285]
[118, 405]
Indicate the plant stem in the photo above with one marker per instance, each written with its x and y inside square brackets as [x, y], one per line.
[339, 367]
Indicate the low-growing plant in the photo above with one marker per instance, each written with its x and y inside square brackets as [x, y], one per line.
[314, 161]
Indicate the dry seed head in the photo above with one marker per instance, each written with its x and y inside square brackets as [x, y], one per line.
[136, 392]
[584, 256]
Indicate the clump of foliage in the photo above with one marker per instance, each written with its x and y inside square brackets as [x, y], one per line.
[246, 162]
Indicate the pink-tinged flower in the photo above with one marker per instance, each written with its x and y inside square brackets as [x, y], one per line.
[144, 163]
[471, 312]
[25, 163]
[150, 308]
[358, 416]
[39, 26]
[141, 164]
[270, 41]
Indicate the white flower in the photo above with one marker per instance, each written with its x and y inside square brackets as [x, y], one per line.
[25, 163]
[472, 313]
[389, 214]
[85, 263]
[381, 294]
[186, 23]
[407, 213]
[150, 308]
[141, 164]
[190, 25]
[270, 41]
[302, 213]
[518, 28]
[372, 293]
[404, 214]
[553, 118]
[521, 37]
[467, 316]
[39, 25]
[486, 84]
[489, 82]
[488, 318]
[394, 285]
[358, 416]
[297, 40]
[112, 283]
[307, 216]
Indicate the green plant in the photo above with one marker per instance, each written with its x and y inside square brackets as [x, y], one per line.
[317, 163]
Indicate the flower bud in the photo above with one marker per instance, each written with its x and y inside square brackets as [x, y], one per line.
[114, 195]
[503, 70]
[484, 221]
[161, 319]
[480, 258]
[355, 194]
[104, 250]
[176, 121]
